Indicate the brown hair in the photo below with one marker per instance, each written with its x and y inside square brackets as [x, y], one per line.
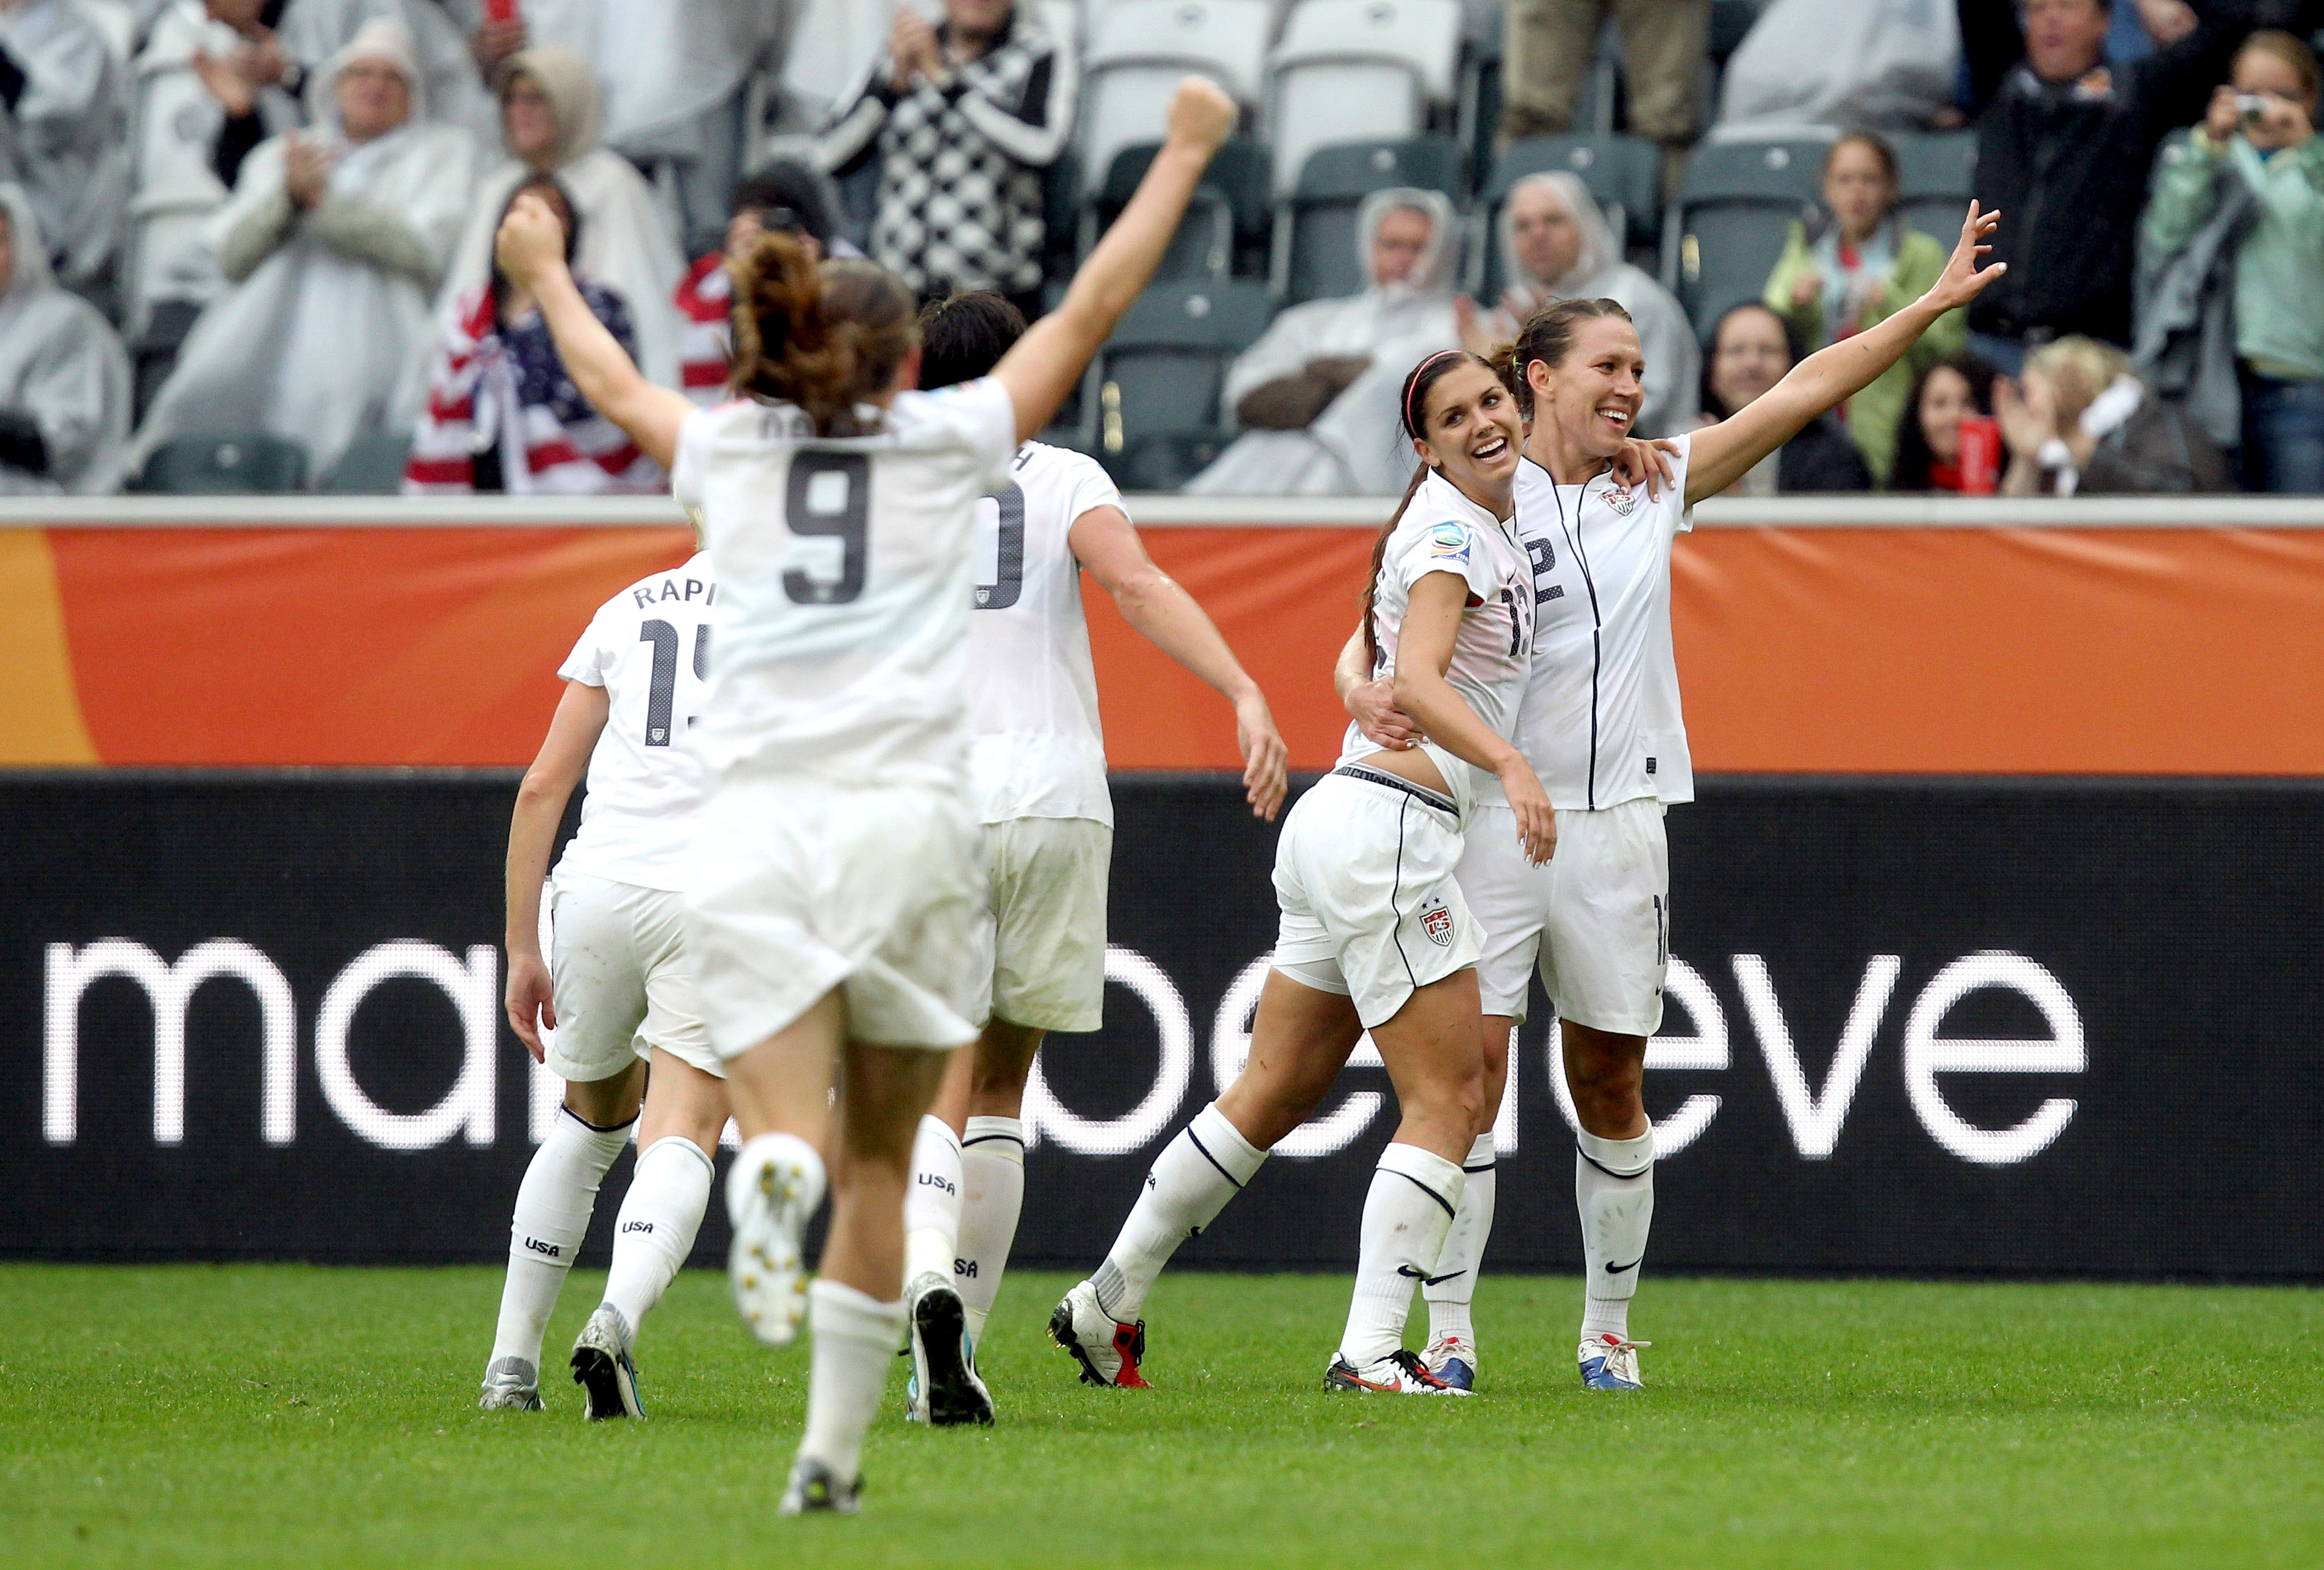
[1547, 338]
[1414, 407]
[824, 339]
[2287, 48]
[1871, 141]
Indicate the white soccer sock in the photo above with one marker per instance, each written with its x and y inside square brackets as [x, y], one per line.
[1208, 1164]
[1452, 1286]
[1614, 1190]
[655, 1232]
[553, 1206]
[991, 1197]
[856, 1341]
[1410, 1207]
[932, 1204]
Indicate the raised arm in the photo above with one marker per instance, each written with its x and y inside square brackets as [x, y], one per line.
[1046, 363]
[530, 249]
[1104, 541]
[1725, 452]
[540, 801]
[1423, 652]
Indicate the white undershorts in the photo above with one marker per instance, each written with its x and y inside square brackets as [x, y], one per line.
[801, 885]
[1596, 917]
[620, 978]
[1363, 873]
[1045, 931]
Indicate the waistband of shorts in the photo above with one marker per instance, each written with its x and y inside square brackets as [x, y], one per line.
[1420, 793]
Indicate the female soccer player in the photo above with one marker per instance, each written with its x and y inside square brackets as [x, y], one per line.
[620, 982]
[1036, 771]
[1374, 933]
[836, 888]
[1600, 722]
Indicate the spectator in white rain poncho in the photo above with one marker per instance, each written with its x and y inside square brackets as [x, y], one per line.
[333, 242]
[1555, 245]
[64, 130]
[1318, 394]
[64, 378]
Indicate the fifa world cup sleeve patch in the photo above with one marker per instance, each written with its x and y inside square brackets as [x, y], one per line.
[1448, 542]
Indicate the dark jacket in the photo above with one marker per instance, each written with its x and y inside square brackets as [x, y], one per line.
[2157, 451]
[2066, 165]
[1821, 458]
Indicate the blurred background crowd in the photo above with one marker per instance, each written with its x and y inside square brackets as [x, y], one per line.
[245, 245]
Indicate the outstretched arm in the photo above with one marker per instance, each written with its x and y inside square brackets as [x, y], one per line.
[1046, 363]
[532, 834]
[1724, 453]
[531, 248]
[1104, 541]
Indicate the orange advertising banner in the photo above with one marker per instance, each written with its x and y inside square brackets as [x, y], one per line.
[1872, 649]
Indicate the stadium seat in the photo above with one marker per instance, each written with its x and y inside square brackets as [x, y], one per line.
[251, 463]
[1623, 174]
[1154, 409]
[373, 465]
[1349, 71]
[1224, 223]
[1315, 225]
[1139, 50]
[1733, 214]
[1936, 174]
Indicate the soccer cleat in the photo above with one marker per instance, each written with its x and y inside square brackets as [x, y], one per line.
[511, 1385]
[1609, 1363]
[1399, 1373]
[945, 1388]
[813, 1488]
[770, 1206]
[602, 1368]
[1108, 1349]
[1454, 1359]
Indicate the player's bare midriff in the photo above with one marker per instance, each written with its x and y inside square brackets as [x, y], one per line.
[1412, 764]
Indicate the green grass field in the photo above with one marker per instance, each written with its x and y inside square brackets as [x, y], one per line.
[270, 1415]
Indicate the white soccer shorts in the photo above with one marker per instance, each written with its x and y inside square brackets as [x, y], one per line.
[1596, 917]
[1045, 931]
[623, 985]
[1363, 873]
[802, 885]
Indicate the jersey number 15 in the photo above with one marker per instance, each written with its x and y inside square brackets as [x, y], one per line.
[663, 688]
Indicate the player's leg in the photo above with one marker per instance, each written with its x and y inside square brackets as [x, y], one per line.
[781, 1092]
[944, 1386]
[1430, 1049]
[1300, 1039]
[992, 1162]
[600, 988]
[1450, 1292]
[1607, 948]
[856, 1310]
[678, 1141]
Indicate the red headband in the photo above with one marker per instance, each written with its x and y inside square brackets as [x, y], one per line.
[1412, 385]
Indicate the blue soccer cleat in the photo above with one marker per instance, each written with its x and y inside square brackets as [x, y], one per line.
[1454, 1359]
[1609, 1363]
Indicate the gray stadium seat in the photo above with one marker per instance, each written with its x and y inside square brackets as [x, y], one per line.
[1623, 173]
[1315, 225]
[1225, 223]
[1154, 405]
[251, 463]
[1729, 229]
[1351, 71]
[1140, 48]
[373, 465]
[1936, 174]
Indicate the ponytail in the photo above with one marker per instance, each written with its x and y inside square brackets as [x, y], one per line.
[823, 337]
[1379, 554]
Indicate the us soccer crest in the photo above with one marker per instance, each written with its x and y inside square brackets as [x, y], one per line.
[1438, 922]
[1622, 499]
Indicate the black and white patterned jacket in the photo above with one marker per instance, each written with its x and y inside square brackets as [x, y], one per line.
[960, 171]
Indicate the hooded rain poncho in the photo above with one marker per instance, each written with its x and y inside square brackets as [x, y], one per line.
[61, 365]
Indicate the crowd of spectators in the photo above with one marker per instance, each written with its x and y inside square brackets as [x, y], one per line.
[273, 219]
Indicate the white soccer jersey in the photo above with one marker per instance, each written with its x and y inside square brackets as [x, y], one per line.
[1036, 748]
[1441, 530]
[1600, 722]
[648, 647]
[845, 571]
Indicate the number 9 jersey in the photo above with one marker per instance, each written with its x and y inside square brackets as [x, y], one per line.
[845, 568]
